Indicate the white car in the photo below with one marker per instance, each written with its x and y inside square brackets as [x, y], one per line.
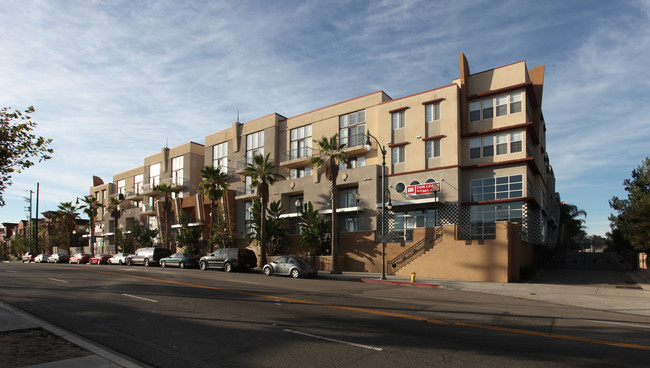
[41, 258]
[119, 258]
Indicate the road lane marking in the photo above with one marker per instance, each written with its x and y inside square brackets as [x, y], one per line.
[12, 271]
[377, 312]
[49, 278]
[141, 298]
[627, 324]
[334, 340]
[244, 282]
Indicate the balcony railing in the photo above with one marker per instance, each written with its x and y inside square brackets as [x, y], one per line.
[246, 190]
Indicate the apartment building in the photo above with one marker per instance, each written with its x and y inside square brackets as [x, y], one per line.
[466, 192]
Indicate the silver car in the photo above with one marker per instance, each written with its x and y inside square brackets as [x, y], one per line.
[294, 266]
[119, 258]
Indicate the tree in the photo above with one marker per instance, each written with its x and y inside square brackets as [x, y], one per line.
[164, 192]
[69, 215]
[214, 185]
[275, 232]
[633, 218]
[263, 175]
[142, 237]
[574, 234]
[314, 231]
[19, 147]
[115, 211]
[91, 205]
[188, 237]
[330, 156]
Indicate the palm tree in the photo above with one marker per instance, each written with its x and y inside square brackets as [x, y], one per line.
[164, 191]
[115, 211]
[214, 185]
[262, 176]
[91, 204]
[69, 216]
[573, 233]
[330, 156]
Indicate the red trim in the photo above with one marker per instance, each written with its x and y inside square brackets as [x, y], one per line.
[433, 101]
[425, 170]
[400, 109]
[434, 137]
[398, 144]
[497, 91]
[503, 129]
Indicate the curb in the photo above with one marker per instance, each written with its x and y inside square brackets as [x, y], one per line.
[401, 283]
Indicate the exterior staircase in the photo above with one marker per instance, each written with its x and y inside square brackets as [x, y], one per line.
[415, 251]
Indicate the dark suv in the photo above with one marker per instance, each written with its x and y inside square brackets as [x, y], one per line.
[229, 259]
[148, 256]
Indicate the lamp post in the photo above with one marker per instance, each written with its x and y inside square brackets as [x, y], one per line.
[384, 193]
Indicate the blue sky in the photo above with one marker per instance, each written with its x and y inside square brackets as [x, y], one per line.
[114, 81]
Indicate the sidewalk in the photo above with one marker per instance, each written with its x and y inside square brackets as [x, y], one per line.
[631, 298]
[28, 331]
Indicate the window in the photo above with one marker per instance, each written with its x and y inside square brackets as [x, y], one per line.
[399, 187]
[502, 144]
[300, 173]
[432, 112]
[121, 187]
[292, 204]
[348, 197]
[254, 145]
[294, 226]
[432, 148]
[484, 109]
[398, 120]
[489, 189]
[398, 154]
[137, 183]
[300, 142]
[352, 128]
[177, 170]
[406, 221]
[348, 223]
[220, 156]
[154, 175]
[483, 218]
[515, 102]
[516, 142]
[359, 161]
[248, 217]
[247, 187]
[484, 146]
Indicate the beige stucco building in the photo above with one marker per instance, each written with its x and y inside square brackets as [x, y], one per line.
[468, 182]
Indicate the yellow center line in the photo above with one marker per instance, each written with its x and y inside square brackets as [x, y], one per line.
[382, 313]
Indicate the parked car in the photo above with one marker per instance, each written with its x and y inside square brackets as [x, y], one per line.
[181, 260]
[28, 257]
[80, 258]
[119, 258]
[58, 258]
[41, 258]
[295, 266]
[148, 256]
[229, 259]
[100, 259]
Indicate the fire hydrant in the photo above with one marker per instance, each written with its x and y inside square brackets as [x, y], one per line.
[412, 276]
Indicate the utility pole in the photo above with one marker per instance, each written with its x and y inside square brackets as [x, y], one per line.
[37, 190]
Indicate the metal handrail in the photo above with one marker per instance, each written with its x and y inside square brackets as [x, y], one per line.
[417, 249]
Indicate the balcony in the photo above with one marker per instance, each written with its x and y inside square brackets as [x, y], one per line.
[244, 192]
[177, 184]
[295, 158]
[148, 209]
[354, 144]
[135, 194]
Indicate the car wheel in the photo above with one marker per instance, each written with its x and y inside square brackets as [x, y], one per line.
[295, 273]
[227, 267]
[181, 265]
[203, 265]
[268, 271]
[146, 262]
[128, 262]
[163, 264]
[120, 262]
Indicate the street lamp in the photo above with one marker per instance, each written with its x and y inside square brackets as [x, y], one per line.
[385, 193]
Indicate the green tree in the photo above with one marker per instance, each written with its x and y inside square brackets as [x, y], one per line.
[142, 237]
[90, 207]
[164, 192]
[214, 185]
[263, 175]
[314, 230]
[115, 211]
[275, 232]
[69, 215]
[19, 146]
[188, 237]
[574, 235]
[633, 212]
[330, 156]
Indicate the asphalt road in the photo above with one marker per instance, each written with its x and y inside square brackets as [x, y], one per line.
[181, 318]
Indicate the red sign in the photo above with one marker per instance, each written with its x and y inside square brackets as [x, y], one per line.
[426, 188]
